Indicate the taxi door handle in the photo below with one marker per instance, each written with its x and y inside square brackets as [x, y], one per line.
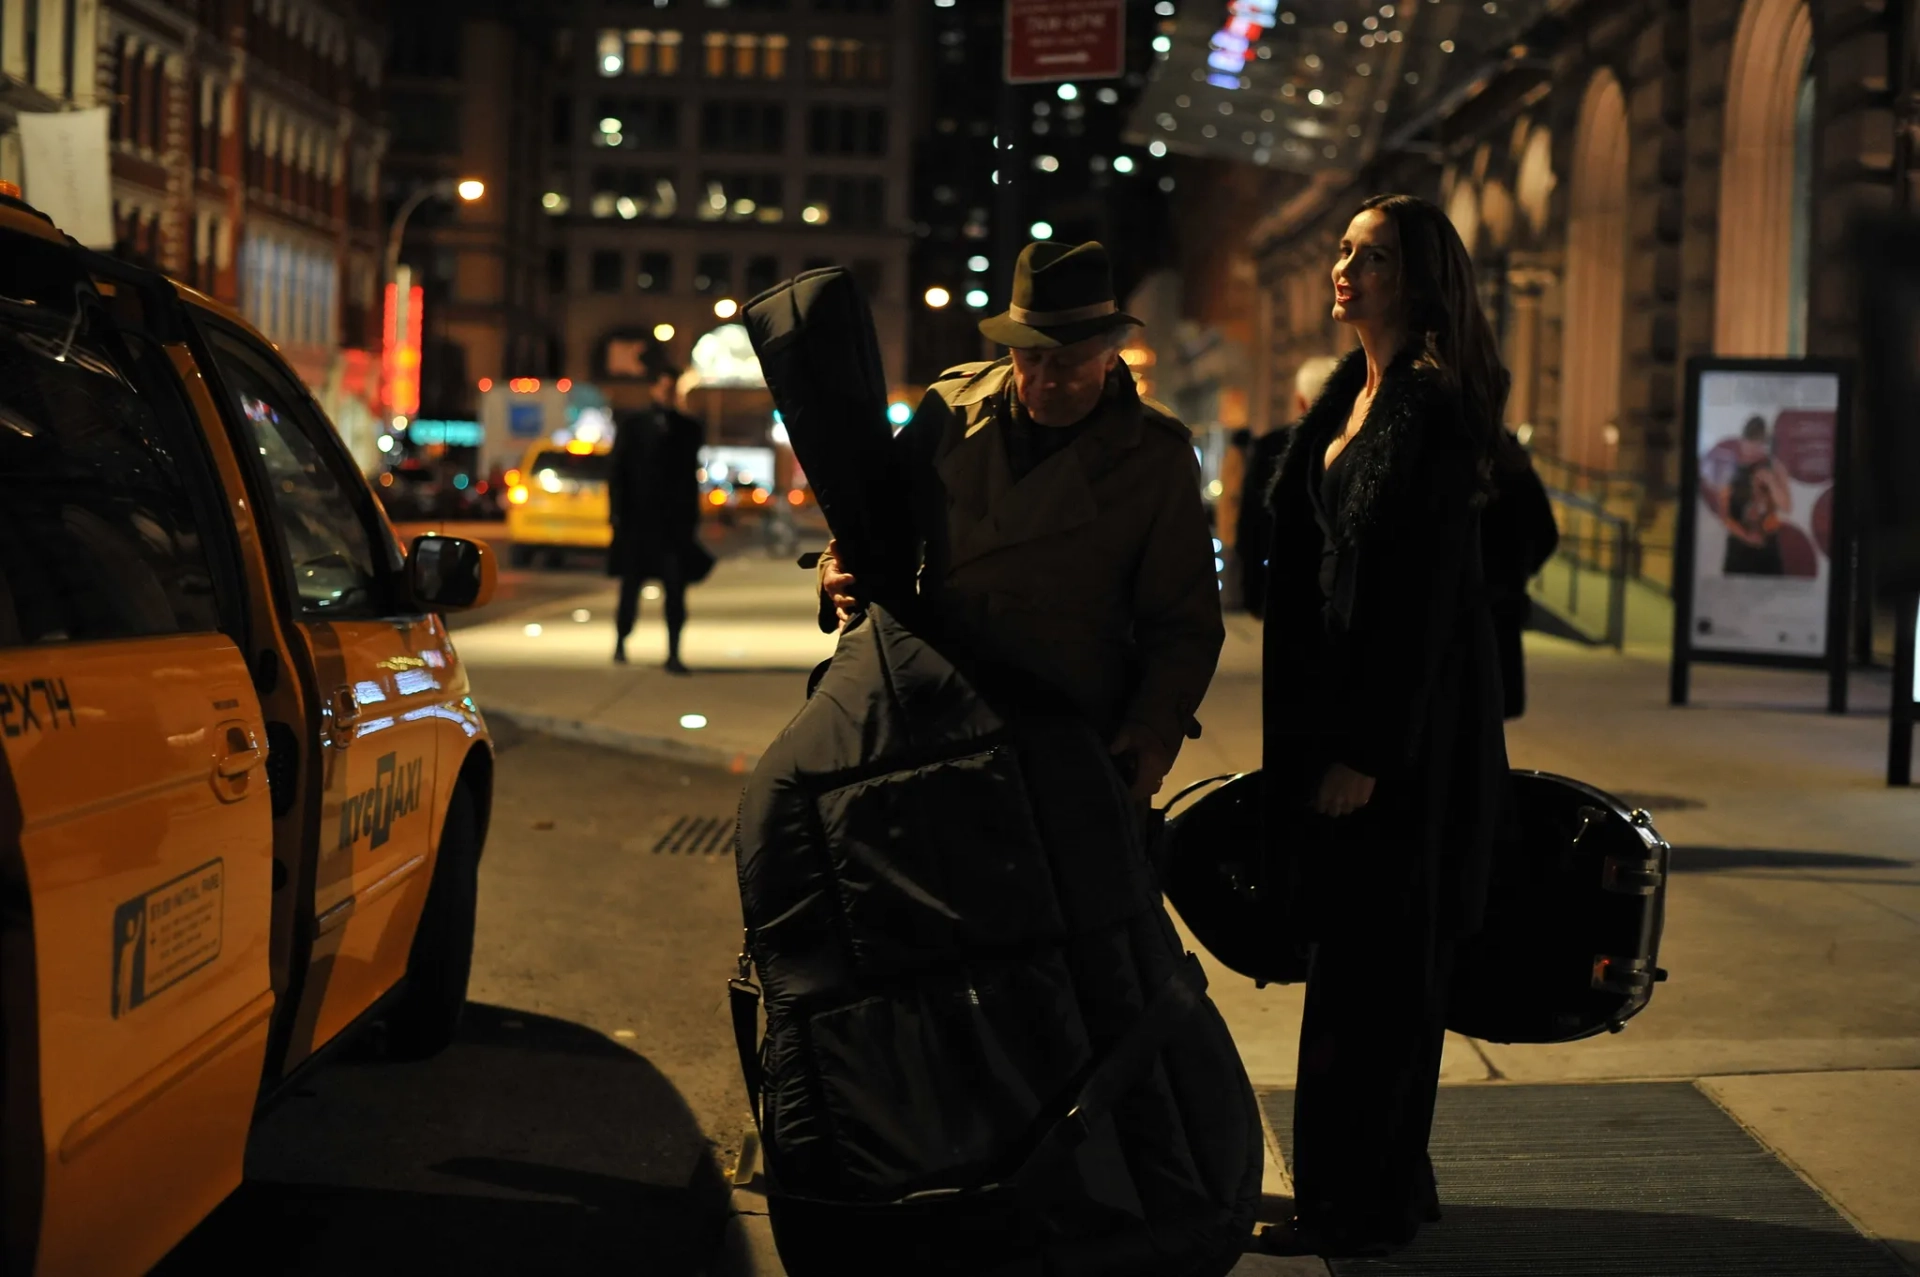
[240, 750]
[343, 707]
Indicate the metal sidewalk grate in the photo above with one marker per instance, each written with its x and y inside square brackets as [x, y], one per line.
[697, 836]
[1618, 1180]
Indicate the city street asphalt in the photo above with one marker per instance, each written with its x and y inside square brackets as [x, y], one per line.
[1793, 933]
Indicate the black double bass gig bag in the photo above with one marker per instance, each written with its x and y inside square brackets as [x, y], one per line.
[985, 1051]
[1570, 944]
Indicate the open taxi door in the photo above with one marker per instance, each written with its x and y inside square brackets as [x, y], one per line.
[135, 839]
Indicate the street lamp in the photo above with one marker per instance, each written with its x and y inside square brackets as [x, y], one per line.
[467, 189]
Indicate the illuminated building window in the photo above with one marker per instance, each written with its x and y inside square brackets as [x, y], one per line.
[742, 197]
[833, 61]
[859, 202]
[647, 52]
[716, 56]
[608, 55]
[632, 193]
[773, 57]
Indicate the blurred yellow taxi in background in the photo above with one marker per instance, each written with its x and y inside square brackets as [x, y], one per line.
[557, 501]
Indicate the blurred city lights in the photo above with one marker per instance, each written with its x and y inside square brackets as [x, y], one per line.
[663, 332]
[1041, 230]
[524, 385]
[471, 189]
[399, 423]
[532, 631]
[581, 615]
[552, 201]
[384, 443]
[610, 65]
[899, 412]
[563, 385]
[1156, 148]
[938, 297]
[609, 125]
[977, 298]
[977, 263]
[693, 722]
[1162, 44]
[1068, 92]
[814, 214]
[726, 308]
[1046, 163]
[517, 494]
[460, 482]
[796, 497]
[485, 384]
[1123, 164]
[626, 207]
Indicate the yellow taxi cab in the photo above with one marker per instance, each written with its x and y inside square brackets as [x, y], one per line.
[243, 785]
[557, 500]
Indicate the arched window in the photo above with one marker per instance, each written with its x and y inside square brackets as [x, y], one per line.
[1759, 280]
[1596, 277]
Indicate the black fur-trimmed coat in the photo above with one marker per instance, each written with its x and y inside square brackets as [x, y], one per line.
[1397, 675]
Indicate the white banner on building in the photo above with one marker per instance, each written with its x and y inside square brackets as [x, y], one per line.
[64, 158]
[1763, 534]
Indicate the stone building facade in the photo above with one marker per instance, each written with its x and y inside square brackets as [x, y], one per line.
[244, 148]
[1648, 180]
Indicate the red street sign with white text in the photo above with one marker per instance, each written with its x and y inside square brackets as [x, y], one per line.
[1065, 40]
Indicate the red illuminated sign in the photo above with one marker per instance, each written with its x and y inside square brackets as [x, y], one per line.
[400, 352]
[1065, 40]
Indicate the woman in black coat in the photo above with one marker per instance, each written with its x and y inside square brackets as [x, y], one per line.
[1385, 753]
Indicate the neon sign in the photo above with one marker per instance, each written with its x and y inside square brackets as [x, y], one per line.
[1233, 44]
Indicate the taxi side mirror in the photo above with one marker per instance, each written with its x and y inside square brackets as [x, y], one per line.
[451, 573]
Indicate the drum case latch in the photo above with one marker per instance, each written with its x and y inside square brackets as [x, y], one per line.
[1628, 977]
[1631, 876]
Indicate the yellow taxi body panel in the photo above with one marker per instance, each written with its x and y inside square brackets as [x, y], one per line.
[191, 928]
[566, 500]
[150, 871]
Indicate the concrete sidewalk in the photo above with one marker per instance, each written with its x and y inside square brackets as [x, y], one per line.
[1793, 929]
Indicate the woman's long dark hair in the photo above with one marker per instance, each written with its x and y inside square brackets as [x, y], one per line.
[1443, 313]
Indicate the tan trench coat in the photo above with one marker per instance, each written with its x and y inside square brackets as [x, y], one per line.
[1094, 572]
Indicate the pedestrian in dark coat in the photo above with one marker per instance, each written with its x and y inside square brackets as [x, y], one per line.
[1385, 753]
[653, 498]
[1517, 537]
[1263, 462]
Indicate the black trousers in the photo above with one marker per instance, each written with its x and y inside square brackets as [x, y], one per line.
[1369, 1067]
[673, 584]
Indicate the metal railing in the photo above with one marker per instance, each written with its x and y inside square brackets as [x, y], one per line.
[1593, 559]
[1648, 556]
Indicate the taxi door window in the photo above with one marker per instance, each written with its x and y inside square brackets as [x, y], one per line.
[336, 562]
[98, 534]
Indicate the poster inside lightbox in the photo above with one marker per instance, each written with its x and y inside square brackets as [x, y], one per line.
[1763, 534]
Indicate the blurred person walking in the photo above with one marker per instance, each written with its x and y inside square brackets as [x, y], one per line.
[1062, 526]
[1518, 534]
[1262, 464]
[653, 498]
[1385, 755]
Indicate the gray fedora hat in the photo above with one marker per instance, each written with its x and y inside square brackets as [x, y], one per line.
[1062, 293]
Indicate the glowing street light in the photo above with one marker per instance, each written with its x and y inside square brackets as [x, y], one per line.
[938, 297]
[977, 298]
[1123, 164]
[470, 189]
[1041, 230]
[663, 332]
[726, 308]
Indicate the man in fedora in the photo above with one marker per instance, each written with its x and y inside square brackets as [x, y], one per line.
[1062, 529]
